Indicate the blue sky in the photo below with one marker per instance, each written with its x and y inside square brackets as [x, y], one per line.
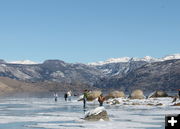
[88, 30]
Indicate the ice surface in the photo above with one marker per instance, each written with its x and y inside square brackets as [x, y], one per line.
[44, 113]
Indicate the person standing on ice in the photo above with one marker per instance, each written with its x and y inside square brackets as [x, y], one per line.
[85, 94]
[69, 94]
[101, 99]
[178, 93]
[56, 96]
[65, 96]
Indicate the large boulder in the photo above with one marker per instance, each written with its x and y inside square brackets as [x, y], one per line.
[115, 94]
[137, 94]
[158, 94]
[92, 95]
[97, 114]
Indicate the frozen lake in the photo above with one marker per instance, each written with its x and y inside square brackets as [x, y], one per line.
[44, 113]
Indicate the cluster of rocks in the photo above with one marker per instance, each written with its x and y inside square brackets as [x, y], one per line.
[137, 97]
[136, 94]
[112, 98]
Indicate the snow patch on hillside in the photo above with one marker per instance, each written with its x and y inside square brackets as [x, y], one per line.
[23, 62]
[128, 59]
[171, 57]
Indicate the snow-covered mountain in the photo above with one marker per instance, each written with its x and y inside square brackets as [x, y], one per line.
[163, 75]
[113, 60]
[23, 62]
[115, 73]
[51, 70]
[114, 67]
[127, 59]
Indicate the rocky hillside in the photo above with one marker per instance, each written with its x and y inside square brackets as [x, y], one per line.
[60, 71]
[149, 77]
[125, 73]
[120, 69]
[51, 70]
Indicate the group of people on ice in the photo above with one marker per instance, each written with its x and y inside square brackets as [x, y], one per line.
[101, 98]
[68, 95]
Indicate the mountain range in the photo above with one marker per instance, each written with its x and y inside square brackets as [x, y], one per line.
[125, 73]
